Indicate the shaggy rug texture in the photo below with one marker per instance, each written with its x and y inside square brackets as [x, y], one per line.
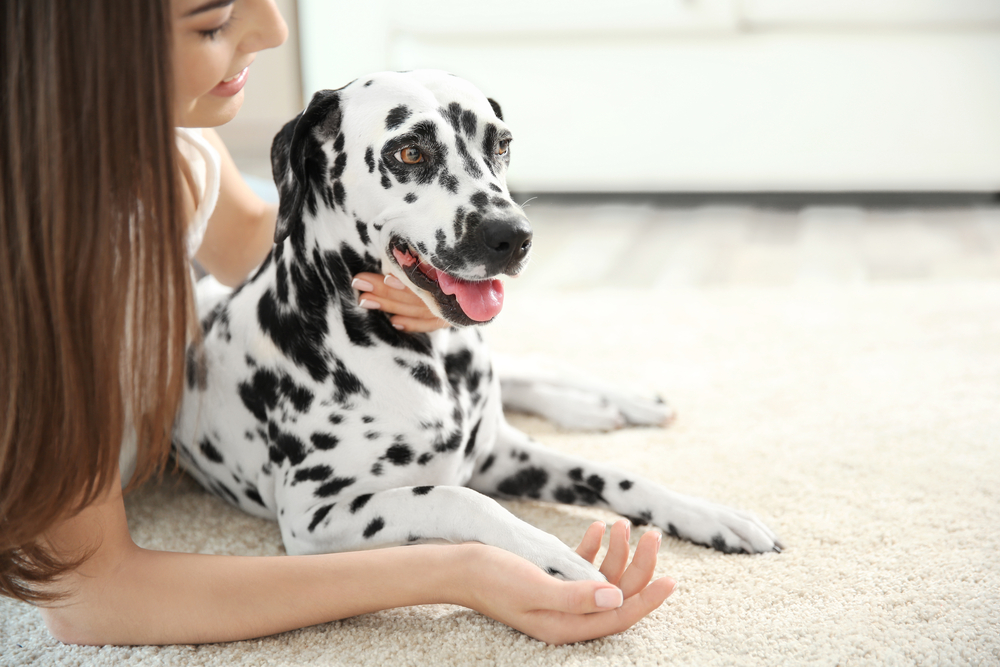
[863, 424]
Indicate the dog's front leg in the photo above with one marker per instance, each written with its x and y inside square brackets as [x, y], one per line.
[521, 468]
[416, 514]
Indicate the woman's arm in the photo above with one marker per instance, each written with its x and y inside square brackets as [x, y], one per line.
[240, 232]
[124, 594]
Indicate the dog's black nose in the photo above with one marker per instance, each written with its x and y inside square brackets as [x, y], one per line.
[507, 241]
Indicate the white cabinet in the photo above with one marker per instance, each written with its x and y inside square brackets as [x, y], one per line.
[703, 95]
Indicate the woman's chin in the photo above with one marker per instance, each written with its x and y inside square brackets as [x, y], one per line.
[210, 111]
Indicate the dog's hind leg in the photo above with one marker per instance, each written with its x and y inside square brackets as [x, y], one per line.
[571, 399]
[521, 468]
[417, 514]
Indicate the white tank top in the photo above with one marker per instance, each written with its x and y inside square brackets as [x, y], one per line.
[205, 166]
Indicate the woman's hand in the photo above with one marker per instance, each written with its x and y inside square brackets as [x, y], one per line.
[513, 591]
[388, 294]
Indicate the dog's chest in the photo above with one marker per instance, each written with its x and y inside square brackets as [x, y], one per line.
[384, 416]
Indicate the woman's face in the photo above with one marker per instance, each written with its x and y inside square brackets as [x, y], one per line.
[214, 43]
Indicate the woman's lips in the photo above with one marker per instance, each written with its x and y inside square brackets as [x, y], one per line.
[231, 86]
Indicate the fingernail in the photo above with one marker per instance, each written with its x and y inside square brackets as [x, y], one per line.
[394, 282]
[628, 530]
[362, 285]
[659, 538]
[399, 326]
[608, 598]
[370, 305]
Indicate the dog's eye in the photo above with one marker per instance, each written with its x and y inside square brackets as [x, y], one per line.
[409, 155]
[503, 146]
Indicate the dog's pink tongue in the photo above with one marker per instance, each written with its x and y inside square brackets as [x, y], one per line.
[481, 301]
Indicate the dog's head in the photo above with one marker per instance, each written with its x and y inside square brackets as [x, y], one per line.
[416, 163]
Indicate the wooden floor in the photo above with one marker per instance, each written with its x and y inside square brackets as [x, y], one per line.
[579, 246]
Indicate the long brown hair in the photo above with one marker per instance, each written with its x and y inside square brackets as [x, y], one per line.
[94, 282]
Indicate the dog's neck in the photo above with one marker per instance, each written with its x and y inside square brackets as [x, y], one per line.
[312, 283]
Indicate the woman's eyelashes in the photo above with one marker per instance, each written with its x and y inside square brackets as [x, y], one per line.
[212, 33]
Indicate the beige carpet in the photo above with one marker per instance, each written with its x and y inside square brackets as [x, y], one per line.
[863, 424]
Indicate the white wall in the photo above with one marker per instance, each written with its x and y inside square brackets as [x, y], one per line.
[702, 95]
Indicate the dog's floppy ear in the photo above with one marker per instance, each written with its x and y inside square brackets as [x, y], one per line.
[298, 163]
[496, 107]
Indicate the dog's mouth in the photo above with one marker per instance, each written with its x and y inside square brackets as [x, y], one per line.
[462, 302]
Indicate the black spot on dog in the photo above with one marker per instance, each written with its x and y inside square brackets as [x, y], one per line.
[288, 446]
[260, 394]
[413, 538]
[487, 464]
[456, 365]
[370, 159]
[453, 114]
[553, 571]
[425, 458]
[522, 457]
[386, 183]
[470, 446]
[372, 435]
[368, 83]
[197, 368]
[298, 334]
[644, 518]
[396, 117]
[422, 490]
[377, 524]
[399, 455]
[377, 468]
[427, 376]
[335, 419]
[338, 166]
[625, 485]
[254, 495]
[338, 144]
[672, 531]
[719, 544]
[453, 442]
[500, 202]
[209, 451]
[281, 282]
[251, 362]
[319, 515]
[480, 200]
[334, 486]
[469, 123]
[576, 474]
[468, 162]
[496, 188]
[525, 482]
[564, 495]
[410, 198]
[300, 397]
[367, 419]
[314, 474]
[449, 182]
[363, 232]
[347, 383]
[339, 194]
[360, 502]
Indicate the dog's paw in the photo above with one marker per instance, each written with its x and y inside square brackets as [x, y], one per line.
[722, 528]
[549, 553]
[642, 411]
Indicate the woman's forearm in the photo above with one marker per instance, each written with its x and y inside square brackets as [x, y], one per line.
[156, 597]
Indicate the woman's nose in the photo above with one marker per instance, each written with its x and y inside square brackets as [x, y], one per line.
[265, 28]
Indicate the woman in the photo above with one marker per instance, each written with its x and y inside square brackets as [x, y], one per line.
[103, 201]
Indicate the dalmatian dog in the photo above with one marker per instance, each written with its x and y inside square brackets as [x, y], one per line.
[302, 407]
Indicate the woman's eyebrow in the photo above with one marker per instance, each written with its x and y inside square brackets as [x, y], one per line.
[209, 6]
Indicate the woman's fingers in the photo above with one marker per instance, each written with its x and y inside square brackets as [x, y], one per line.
[640, 570]
[617, 557]
[591, 542]
[388, 294]
[560, 627]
